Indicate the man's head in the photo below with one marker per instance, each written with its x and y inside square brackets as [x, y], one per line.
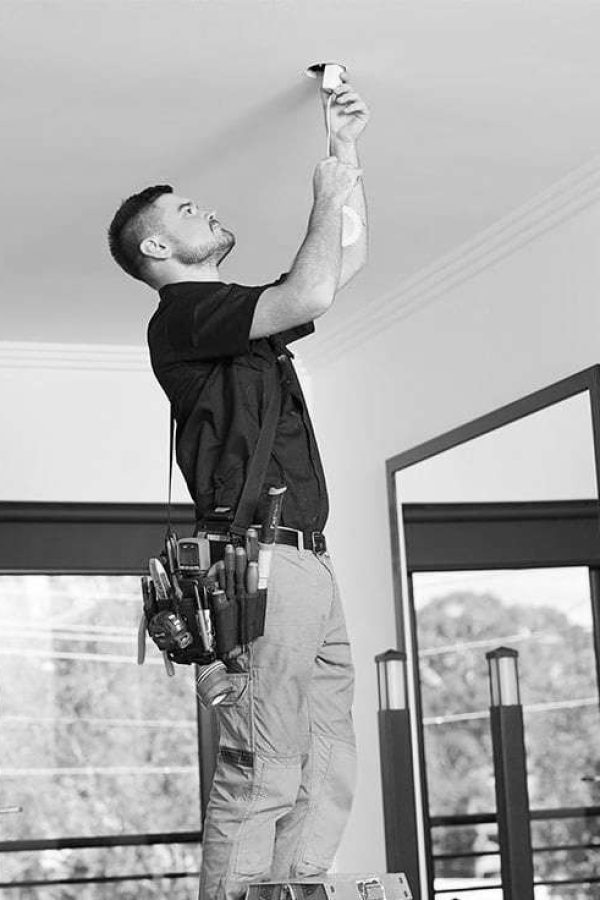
[156, 233]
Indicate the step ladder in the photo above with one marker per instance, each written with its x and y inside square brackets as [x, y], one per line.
[389, 886]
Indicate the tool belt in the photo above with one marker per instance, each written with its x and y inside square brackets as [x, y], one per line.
[197, 612]
[303, 540]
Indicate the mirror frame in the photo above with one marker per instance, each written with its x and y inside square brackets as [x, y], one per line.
[585, 380]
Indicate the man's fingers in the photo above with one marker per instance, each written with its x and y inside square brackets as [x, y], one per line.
[358, 107]
[342, 89]
[350, 97]
[351, 102]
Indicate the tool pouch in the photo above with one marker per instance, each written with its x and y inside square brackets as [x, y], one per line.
[172, 623]
[227, 628]
[252, 622]
[239, 616]
[188, 608]
[239, 621]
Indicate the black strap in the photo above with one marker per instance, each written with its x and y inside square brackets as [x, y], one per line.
[171, 449]
[257, 470]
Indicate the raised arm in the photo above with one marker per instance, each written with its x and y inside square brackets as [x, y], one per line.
[349, 115]
[313, 279]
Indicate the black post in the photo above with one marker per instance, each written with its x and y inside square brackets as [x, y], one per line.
[510, 767]
[397, 772]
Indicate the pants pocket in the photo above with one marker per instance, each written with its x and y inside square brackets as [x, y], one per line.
[239, 682]
[234, 714]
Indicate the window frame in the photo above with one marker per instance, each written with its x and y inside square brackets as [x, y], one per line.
[99, 539]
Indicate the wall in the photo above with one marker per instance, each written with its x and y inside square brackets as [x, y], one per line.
[85, 424]
[82, 424]
[516, 326]
[548, 455]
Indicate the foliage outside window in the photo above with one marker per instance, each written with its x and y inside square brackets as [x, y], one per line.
[460, 617]
[90, 743]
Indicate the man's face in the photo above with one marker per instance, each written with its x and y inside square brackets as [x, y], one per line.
[194, 234]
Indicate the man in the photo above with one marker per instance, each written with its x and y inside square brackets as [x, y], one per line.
[284, 780]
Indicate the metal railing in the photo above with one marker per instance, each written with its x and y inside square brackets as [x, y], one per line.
[554, 814]
[105, 841]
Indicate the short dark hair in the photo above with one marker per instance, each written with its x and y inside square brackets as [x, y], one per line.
[126, 229]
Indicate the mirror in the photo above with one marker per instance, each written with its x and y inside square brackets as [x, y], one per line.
[496, 535]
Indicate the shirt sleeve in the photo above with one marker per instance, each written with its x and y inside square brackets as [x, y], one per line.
[211, 325]
[294, 334]
[207, 322]
[299, 331]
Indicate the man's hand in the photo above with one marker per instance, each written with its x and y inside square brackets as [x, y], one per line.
[334, 181]
[349, 112]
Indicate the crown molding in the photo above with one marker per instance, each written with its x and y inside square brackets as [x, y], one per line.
[564, 199]
[99, 357]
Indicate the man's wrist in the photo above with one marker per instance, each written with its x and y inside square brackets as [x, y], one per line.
[346, 151]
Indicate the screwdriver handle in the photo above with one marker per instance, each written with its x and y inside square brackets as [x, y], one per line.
[240, 568]
[270, 523]
[230, 571]
[252, 545]
[252, 578]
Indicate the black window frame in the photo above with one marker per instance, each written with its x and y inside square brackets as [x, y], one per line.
[99, 539]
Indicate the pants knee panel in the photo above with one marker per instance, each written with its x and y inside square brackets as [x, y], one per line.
[331, 803]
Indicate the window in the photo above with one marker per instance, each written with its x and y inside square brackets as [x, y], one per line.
[98, 756]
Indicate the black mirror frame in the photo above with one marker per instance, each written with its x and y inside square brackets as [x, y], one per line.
[585, 380]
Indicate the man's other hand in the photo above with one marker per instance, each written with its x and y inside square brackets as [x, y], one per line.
[349, 112]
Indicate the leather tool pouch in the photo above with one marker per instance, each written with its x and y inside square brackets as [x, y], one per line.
[239, 622]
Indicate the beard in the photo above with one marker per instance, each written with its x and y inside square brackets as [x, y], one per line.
[228, 244]
[216, 250]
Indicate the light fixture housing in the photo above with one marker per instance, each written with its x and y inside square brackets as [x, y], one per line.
[504, 677]
[330, 71]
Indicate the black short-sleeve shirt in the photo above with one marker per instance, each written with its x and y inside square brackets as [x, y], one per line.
[216, 380]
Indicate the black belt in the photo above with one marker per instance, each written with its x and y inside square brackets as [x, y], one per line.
[302, 540]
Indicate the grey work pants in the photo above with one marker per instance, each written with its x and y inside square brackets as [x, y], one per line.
[285, 775]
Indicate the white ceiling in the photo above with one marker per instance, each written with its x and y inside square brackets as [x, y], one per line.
[476, 106]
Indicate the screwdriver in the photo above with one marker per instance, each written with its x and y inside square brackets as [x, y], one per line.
[240, 569]
[203, 621]
[221, 575]
[252, 544]
[240, 590]
[252, 578]
[223, 610]
[267, 537]
[230, 571]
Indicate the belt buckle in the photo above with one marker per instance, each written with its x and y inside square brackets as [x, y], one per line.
[319, 544]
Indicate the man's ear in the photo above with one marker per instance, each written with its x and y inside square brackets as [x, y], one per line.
[154, 248]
